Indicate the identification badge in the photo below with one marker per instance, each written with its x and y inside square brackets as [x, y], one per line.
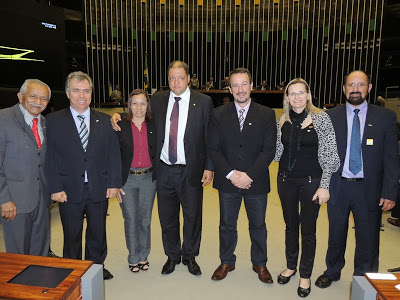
[370, 142]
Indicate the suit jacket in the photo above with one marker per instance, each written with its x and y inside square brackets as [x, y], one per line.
[67, 161]
[250, 151]
[200, 108]
[22, 175]
[380, 160]
[126, 145]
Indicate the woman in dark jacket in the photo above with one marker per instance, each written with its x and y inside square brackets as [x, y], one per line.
[137, 144]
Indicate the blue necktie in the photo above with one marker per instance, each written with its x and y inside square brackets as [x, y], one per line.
[355, 145]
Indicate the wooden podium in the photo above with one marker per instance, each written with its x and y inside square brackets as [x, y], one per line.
[35, 269]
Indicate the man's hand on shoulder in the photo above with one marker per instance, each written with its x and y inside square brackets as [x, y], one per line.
[59, 197]
[114, 121]
[8, 210]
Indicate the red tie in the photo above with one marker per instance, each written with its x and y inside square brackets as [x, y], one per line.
[173, 132]
[36, 132]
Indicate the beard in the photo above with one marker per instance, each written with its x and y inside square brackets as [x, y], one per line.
[355, 98]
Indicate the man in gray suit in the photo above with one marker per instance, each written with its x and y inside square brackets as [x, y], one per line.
[24, 200]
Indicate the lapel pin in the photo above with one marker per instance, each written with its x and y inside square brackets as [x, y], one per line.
[97, 121]
[194, 104]
[370, 125]
[249, 124]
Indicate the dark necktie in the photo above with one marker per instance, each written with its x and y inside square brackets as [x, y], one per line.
[241, 118]
[173, 132]
[83, 132]
[355, 145]
[36, 132]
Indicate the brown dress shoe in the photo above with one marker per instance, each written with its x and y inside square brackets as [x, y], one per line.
[221, 272]
[394, 222]
[263, 274]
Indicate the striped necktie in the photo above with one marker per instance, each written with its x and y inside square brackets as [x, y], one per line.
[241, 118]
[83, 132]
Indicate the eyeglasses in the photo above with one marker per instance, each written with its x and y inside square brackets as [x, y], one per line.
[179, 78]
[360, 85]
[294, 94]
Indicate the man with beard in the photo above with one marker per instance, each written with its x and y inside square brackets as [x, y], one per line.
[241, 156]
[366, 182]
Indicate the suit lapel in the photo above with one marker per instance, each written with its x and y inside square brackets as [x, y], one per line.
[43, 124]
[71, 127]
[368, 126]
[163, 114]
[94, 129]
[193, 105]
[234, 118]
[25, 127]
[250, 117]
[341, 132]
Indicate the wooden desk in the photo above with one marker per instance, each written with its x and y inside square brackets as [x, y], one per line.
[385, 289]
[13, 264]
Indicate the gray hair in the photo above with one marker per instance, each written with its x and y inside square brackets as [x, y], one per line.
[24, 86]
[79, 76]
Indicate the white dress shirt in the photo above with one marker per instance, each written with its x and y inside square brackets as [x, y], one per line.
[183, 115]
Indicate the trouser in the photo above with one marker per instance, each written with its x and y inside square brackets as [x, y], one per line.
[293, 191]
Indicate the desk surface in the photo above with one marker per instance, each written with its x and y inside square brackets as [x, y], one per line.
[386, 288]
[13, 264]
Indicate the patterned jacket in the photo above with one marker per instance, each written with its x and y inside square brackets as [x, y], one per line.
[327, 149]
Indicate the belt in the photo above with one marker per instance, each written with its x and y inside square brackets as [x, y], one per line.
[352, 179]
[173, 166]
[141, 172]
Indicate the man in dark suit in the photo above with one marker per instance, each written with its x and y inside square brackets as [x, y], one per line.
[182, 167]
[242, 141]
[83, 170]
[366, 182]
[24, 199]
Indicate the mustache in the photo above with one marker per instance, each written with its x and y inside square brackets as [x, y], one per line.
[355, 93]
[36, 105]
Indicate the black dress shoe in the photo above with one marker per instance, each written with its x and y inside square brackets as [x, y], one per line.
[192, 265]
[169, 267]
[324, 281]
[285, 279]
[303, 292]
[106, 274]
[51, 254]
